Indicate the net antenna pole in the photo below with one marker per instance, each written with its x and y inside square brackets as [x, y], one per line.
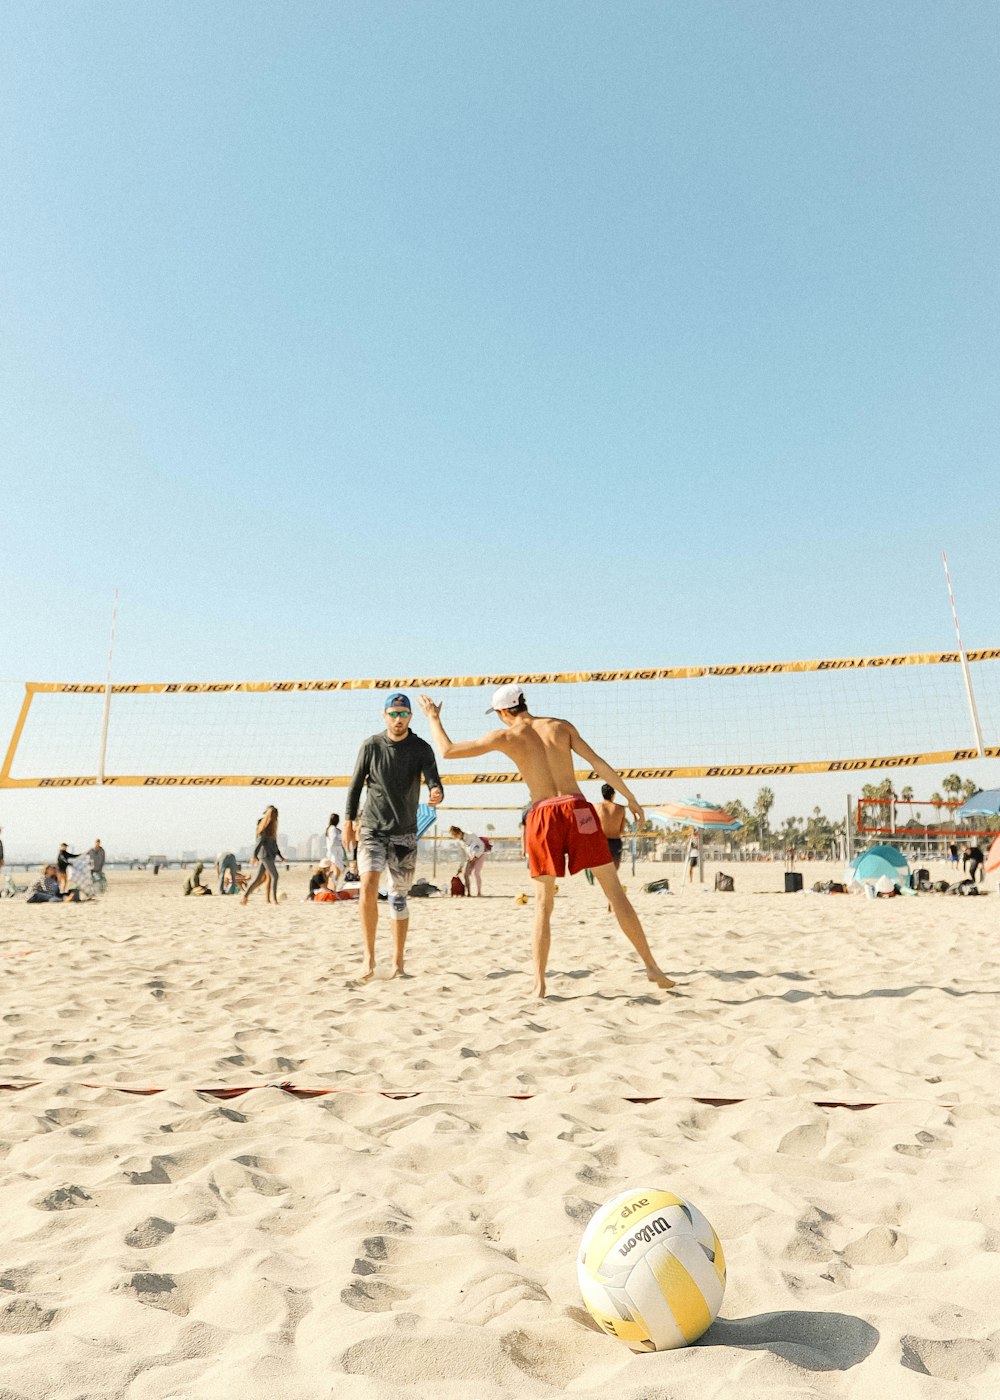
[107, 695]
[973, 711]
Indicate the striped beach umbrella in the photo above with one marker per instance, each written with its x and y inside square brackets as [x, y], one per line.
[693, 812]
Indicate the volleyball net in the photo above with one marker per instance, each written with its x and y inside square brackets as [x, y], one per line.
[766, 719]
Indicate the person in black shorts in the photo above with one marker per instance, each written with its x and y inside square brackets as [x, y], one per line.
[391, 765]
[612, 816]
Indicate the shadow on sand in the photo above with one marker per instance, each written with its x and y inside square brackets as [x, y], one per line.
[816, 1341]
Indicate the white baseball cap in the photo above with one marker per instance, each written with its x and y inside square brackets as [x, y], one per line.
[508, 697]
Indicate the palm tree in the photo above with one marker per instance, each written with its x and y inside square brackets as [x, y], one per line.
[906, 795]
[761, 807]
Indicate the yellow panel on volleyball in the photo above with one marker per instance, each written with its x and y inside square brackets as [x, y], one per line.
[618, 1217]
[633, 1331]
[682, 1293]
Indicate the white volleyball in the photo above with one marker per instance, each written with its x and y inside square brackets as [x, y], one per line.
[652, 1271]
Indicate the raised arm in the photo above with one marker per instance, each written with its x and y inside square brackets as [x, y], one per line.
[605, 771]
[469, 748]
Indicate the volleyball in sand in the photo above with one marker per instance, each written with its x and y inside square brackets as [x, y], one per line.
[652, 1270]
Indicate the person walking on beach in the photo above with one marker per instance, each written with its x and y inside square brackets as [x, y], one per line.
[391, 765]
[473, 850]
[335, 850]
[561, 824]
[267, 853]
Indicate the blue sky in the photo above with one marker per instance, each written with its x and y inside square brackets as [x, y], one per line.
[353, 340]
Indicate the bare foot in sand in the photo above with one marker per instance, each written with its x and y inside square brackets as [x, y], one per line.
[539, 988]
[367, 975]
[660, 978]
[243, 899]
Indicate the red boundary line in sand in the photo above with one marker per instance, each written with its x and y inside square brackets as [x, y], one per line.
[235, 1092]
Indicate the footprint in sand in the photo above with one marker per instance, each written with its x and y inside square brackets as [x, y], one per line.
[25, 1315]
[367, 1292]
[159, 1291]
[881, 1245]
[149, 1233]
[953, 1359]
[65, 1198]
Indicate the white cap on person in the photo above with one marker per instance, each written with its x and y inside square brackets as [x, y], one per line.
[507, 697]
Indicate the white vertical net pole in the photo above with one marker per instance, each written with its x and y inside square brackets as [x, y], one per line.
[973, 711]
[107, 695]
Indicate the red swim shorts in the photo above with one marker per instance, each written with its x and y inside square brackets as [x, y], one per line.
[564, 828]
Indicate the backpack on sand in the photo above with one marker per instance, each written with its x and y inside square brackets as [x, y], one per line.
[457, 886]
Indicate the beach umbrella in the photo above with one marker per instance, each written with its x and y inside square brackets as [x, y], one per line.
[694, 812]
[980, 804]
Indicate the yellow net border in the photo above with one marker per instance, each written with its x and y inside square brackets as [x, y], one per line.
[662, 673]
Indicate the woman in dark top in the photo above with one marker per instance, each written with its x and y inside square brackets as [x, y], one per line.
[267, 853]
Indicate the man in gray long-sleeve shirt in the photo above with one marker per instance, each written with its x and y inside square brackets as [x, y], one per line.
[392, 765]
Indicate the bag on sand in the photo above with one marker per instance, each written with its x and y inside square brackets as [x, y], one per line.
[724, 882]
[457, 886]
[964, 887]
[423, 889]
[656, 887]
[920, 880]
[941, 886]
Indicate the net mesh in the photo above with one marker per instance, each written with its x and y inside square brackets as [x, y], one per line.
[839, 714]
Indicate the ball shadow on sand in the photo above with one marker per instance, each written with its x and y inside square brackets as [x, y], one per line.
[816, 1341]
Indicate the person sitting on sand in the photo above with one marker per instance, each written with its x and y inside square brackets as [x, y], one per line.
[193, 885]
[47, 890]
[561, 824]
[318, 880]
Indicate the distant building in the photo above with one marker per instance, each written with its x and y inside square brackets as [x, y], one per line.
[188, 857]
[314, 846]
[244, 853]
[283, 842]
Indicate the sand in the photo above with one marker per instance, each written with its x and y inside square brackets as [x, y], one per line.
[424, 1245]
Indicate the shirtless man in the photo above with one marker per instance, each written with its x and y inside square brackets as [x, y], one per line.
[611, 815]
[561, 823]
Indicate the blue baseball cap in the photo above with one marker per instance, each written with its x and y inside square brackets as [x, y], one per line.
[398, 702]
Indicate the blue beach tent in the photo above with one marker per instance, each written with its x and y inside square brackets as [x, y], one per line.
[876, 862]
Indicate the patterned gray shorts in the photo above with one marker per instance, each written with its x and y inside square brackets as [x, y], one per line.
[397, 854]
